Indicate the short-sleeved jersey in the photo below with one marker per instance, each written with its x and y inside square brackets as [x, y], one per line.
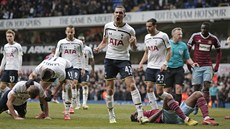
[118, 41]
[179, 54]
[203, 46]
[19, 91]
[71, 50]
[11, 54]
[57, 64]
[157, 46]
[88, 53]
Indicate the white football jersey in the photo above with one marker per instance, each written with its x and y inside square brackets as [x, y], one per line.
[57, 64]
[88, 53]
[72, 51]
[157, 49]
[118, 41]
[19, 91]
[12, 56]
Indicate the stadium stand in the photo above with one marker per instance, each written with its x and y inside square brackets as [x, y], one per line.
[10, 9]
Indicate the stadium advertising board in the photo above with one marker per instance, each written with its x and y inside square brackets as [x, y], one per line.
[34, 49]
[178, 15]
[45, 49]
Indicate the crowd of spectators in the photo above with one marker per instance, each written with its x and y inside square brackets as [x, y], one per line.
[10, 9]
[97, 87]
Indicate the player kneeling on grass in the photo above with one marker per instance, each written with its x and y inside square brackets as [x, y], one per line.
[172, 113]
[15, 100]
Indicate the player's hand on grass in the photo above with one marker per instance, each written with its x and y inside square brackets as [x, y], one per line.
[41, 116]
[18, 118]
[48, 118]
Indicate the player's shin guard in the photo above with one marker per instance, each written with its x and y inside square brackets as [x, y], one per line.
[74, 96]
[78, 101]
[152, 100]
[202, 104]
[85, 94]
[109, 102]
[63, 97]
[67, 98]
[136, 97]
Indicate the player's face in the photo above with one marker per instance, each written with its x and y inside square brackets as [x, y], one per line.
[119, 14]
[150, 27]
[10, 38]
[177, 35]
[70, 32]
[204, 29]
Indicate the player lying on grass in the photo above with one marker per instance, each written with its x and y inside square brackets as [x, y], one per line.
[172, 113]
[16, 99]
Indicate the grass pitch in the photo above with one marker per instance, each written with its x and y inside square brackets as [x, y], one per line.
[96, 117]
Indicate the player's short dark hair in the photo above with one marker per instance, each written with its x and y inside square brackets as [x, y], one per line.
[33, 91]
[121, 6]
[206, 24]
[46, 74]
[70, 26]
[153, 20]
[133, 117]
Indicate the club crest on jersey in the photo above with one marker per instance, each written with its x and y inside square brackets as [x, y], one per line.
[116, 42]
[70, 51]
[122, 35]
[152, 48]
[181, 52]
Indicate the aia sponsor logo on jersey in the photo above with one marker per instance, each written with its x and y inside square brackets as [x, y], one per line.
[70, 51]
[9, 55]
[116, 42]
[152, 48]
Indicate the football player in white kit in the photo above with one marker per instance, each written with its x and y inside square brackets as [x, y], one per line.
[89, 59]
[71, 49]
[118, 36]
[11, 62]
[157, 53]
[16, 99]
[52, 69]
